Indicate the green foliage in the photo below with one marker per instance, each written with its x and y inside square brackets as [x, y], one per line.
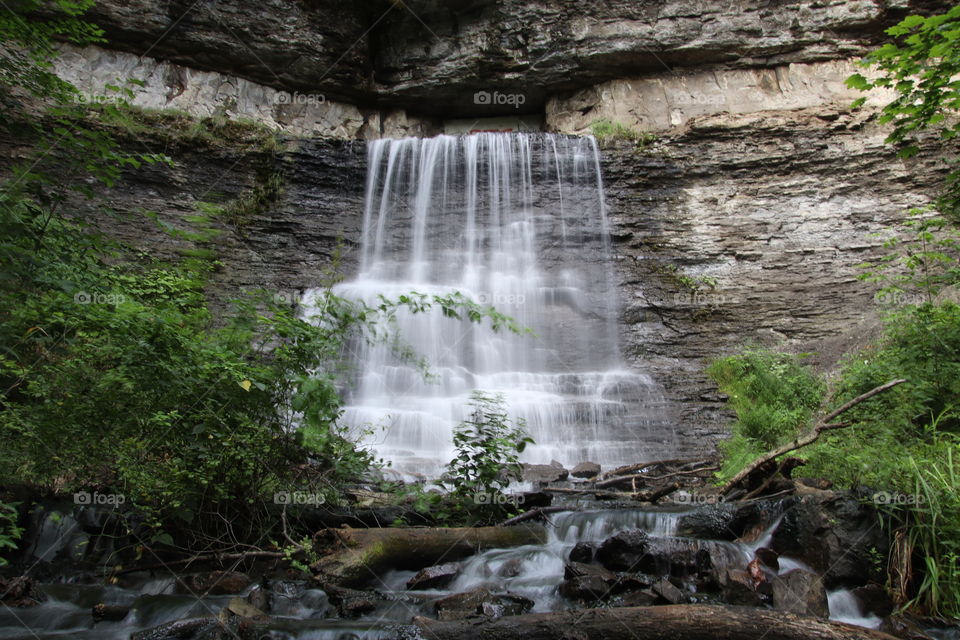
[921, 66]
[923, 259]
[904, 441]
[774, 396]
[30, 28]
[488, 447]
[605, 130]
[10, 531]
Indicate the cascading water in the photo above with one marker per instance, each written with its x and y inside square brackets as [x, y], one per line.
[516, 221]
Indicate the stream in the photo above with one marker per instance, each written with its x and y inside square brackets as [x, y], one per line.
[301, 612]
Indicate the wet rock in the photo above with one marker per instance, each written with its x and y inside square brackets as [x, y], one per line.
[768, 558]
[214, 583]
[351, 603]
[585, 588]
[511, 568]
[624, 551]
[582, 552]
[20, 592]
[669, 591]
[481, 602]
[178, 630]
[802, 593]
[242, 608]
[259, 597]
[836, 534]
[509, 604]
[533, 499]
[109, 612]
[724, 521]
[580, 569]
[435, 577]
[738, 587]
[544, 473]
[586, 470]
[875, 599]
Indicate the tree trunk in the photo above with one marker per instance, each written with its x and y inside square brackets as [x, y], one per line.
[359, 555]
[675, 622]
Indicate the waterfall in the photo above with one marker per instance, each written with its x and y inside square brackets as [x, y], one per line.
[517, 221]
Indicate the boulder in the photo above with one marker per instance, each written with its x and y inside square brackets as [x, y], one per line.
[544, 473]
[802, 593]
[624, 551]
[435, 577]
[738, 587]
[582, 552]
[768, 558]
[875, 599]
[669, 592]
[586, 470]
[351, 603]
[723, 521]
[836, 534]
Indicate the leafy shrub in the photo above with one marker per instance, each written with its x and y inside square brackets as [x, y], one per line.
[488, 448]
[774, 396]
[10, 531]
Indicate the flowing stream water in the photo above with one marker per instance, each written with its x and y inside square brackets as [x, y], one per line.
[517, 221]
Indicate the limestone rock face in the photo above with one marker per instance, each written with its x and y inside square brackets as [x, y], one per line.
[434, 56]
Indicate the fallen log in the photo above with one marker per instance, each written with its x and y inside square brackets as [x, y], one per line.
[632, 468]
[823, 425]
[358, 556]
[642, 476]
[673, 622]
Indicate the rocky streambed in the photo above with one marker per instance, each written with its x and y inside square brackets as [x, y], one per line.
[800, 560]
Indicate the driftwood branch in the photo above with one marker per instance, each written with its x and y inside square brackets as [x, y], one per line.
[642, 476]
[824, 424]
[532, 514]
